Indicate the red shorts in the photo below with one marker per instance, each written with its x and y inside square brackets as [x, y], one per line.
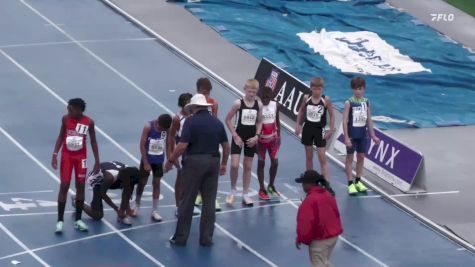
[271, 146]
[70, 161]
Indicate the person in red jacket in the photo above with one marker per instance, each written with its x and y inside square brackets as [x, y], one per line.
[318, 219]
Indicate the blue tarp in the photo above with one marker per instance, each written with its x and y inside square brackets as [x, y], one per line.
[267, 28]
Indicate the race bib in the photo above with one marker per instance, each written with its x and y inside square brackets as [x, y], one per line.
[94, 179]
[360, 116]
[249, 117]
[82, 128]
[268, 116]
[314, 113]
[155, 147]
[74, 142]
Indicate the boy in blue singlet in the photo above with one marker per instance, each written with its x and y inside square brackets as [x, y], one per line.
[356, 124]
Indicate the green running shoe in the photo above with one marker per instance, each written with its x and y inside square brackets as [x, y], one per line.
[80, 225]
[273, 192]
[352, 189]
[217, 206]
[198, 200]
[360, 187]
[59, 227]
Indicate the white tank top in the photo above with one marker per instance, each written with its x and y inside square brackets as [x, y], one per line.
[269, 113]
[182, 121]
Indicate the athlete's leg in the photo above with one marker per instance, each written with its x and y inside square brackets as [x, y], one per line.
[261, 161]
[309, 158]
[140, 187]
[66, 169]
[95, 210]
[80, 170]
[322, 159]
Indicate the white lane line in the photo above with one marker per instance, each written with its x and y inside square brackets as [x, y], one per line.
[427, 193]
[43, 85]
[129, 229]
[26, 192]
[52, 175]
[23, 246]
[80, 41]
[94, 55]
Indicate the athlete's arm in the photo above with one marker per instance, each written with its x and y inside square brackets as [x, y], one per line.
[230, 116]
[259, 119]
[106, 183]
[167, 139]
[171, 137]
[329, 133]
[59, 143]
[298, 126]
[143, 152]
[346, 113]
[215, 108]
[277, 120]
[95, 148]
[253, 140]
[371, 127]
[179, 150]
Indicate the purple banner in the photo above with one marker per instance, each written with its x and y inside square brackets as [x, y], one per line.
[392, 156]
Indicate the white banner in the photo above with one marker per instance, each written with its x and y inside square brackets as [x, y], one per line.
[360, 52]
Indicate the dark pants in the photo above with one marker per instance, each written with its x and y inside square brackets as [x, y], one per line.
[200, 173]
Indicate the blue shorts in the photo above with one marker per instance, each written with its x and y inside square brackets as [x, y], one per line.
[359, 145]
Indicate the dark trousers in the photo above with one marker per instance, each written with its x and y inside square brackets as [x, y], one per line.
[200, 173]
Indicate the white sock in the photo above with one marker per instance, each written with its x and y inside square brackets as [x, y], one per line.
[155, 204]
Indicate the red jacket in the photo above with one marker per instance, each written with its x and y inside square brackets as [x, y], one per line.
[318, 217]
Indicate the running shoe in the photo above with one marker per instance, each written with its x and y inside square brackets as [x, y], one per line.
[125, 221]
[273, 192]
[247, 201]
[230, 198]
[198, 200]
[352, 189]
[360, 187]
[135, 211]
[59, 227]
[263, 195]
[217, 206]
[156, 216]
[80, 225]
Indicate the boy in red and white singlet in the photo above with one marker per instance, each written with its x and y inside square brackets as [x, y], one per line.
[269, 142]
[72, 138]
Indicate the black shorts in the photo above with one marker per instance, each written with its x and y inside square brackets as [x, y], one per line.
[248, 151]
[312, 135]
[118, 183]
[157, 170]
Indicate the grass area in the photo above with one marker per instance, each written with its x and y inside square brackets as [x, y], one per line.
[468, 6]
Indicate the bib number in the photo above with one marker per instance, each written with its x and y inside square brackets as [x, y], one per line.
[155, 147]
[74, 142]
[360, 116]
[249, 117]
[314, 113]
[82, 128]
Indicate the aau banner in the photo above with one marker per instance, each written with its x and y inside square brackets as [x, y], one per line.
[288, 91]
